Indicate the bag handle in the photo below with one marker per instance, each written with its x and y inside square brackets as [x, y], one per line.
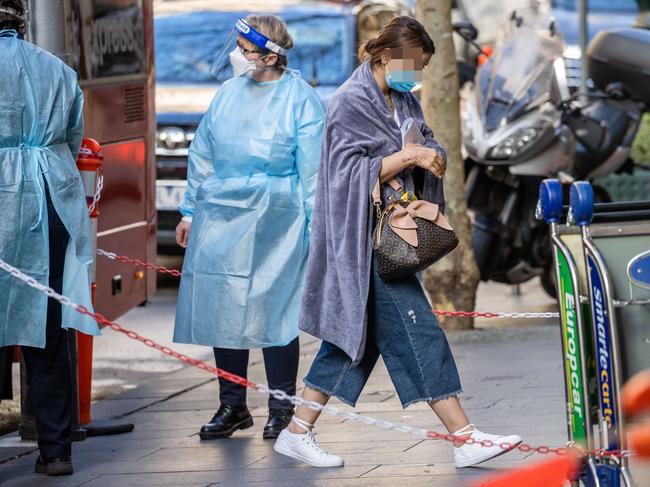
[376, 191]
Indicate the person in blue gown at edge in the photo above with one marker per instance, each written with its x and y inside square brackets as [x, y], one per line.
[44, 229]
[246, 221]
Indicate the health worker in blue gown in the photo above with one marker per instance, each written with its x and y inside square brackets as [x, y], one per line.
[44, 227]
[246, 219]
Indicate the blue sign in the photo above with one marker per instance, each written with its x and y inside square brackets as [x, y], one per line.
[638, 270]
[602, 337]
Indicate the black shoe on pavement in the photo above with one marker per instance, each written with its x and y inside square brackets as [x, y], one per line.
[54, 467]
[278, 420]
[226, 421]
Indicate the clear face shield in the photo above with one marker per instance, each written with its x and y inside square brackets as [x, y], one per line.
[244, 52]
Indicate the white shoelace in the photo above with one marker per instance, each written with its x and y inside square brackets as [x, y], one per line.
[309, 437]
[310, 440]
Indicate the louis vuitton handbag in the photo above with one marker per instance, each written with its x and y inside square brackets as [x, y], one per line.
[410, 234]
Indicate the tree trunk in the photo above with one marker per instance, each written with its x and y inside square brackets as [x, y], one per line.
[452, 282]
[643, 18]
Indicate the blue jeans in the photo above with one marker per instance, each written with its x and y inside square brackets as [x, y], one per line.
[405, 332]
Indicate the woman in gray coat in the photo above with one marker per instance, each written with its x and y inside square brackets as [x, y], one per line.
[359, 316]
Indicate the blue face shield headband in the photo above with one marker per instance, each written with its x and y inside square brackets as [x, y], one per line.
[232, 61]
[257, 38]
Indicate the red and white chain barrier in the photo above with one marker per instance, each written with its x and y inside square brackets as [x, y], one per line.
[98, 194]
[140, 263]
[281, 395]
[439, 312]
[176, 273]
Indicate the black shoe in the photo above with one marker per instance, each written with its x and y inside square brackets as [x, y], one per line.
[55, 467]
[278, 420]
[227, 420]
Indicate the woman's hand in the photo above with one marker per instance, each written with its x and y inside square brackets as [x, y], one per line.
[426, 158]
[182, 233]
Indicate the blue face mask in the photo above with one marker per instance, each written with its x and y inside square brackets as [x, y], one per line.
[401, 86]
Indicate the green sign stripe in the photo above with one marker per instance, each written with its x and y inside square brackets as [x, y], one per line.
[572, 351]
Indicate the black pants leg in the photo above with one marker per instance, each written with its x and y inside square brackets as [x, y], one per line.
[235, 361]
[6, 362]
[281, 365]
[48, 369]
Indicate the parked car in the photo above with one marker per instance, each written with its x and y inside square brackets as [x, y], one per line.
[601, 15]
[326, 35]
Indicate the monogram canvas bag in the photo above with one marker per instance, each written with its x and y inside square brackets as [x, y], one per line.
[410, 234]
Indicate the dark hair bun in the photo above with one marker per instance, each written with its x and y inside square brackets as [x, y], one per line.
[13, 21]
[400, 32]
[371, 44]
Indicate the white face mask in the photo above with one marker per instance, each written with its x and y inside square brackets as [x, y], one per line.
[240, 65]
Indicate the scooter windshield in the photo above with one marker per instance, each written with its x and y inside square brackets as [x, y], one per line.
[519, 76]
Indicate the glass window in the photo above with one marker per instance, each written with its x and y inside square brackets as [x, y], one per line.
[186, 45]
[108, 38]
[630, 6]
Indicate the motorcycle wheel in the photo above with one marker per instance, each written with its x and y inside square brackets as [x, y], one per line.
[483, 236]
[549, 283]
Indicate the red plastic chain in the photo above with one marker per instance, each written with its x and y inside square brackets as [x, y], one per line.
[149, 265]
[465, 314]
[102, 320]
[542, 449]
[177, 273]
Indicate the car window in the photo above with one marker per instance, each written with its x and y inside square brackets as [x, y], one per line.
[186, 45]
[629, 6]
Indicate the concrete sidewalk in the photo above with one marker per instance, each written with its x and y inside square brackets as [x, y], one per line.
[512, 379]
[511, 372]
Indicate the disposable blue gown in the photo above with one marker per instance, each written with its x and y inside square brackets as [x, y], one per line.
[41, 126]
[251, 182]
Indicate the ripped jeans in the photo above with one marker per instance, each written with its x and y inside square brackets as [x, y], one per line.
[404, 331]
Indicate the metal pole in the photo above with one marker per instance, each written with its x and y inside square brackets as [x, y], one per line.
[582, 18]
[47, 28]
[554, 229]
[615, 350]
[581, 346]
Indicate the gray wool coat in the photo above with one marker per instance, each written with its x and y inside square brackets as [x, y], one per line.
[360, 131]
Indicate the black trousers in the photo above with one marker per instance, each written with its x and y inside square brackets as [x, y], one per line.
[281, 365]
[6, 361]
[49, 372]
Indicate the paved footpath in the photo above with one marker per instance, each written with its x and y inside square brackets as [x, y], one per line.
[512, 378]
[512, 382]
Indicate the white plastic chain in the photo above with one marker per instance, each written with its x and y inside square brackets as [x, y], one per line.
[114, 256]
[98, 193]
[110, 255]
[261, 388]
[549, 314]
[30, 281]
[630, 302]
[298, 401]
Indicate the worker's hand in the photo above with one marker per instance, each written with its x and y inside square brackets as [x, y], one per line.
[182, 233]
[426, 158]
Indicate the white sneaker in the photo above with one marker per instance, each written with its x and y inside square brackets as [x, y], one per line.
[303, 447]
[468, 454]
